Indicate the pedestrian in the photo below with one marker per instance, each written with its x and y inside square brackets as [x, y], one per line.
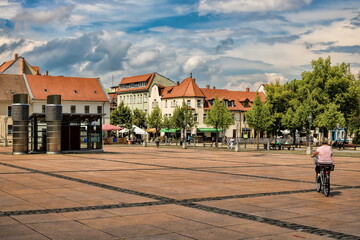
[157, 141]
[231, 143]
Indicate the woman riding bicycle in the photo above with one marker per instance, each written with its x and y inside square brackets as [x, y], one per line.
[323, 155]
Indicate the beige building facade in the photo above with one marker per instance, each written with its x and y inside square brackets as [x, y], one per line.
[135, 91]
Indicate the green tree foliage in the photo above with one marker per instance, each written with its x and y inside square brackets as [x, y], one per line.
[330, 117]
[259, 117]
[327, 84]
[121, 116]
[154, 120]
[183, 118]
[139, 118]
[219, 117]
[167, 122]
[330, 94]
[277, 97]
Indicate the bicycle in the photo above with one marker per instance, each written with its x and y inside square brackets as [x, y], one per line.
[322, 180]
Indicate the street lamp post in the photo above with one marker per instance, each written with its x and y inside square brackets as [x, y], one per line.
[6, 131]
[246, 133]
[237, 147]
[310, 147]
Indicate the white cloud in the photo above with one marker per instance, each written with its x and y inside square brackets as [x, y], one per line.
[233, 6]
[57, 15]
[9, 9]
[194, 62]
[275, 77]
[142, 58]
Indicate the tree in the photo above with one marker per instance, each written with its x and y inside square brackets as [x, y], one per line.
[219, 117]
[167, 123]
[121, 116]
[154, 120]
[277, 96]
[183, 118]
[259, 117]
[139, 118]
[324, 87]
[330, 118]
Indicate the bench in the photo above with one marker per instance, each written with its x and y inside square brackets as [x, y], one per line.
[350, 146]
[275, 146]
[209, 144]
[288, 146]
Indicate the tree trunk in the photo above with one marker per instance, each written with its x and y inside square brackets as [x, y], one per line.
[184, 139]
[258, 139]
[216, 138]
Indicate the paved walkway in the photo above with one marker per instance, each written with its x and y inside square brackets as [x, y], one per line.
[150, 193]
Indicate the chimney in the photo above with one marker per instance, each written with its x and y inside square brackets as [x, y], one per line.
[47, 73]
[16, 56]
[177, 83]
[37, 72]
[190, 75]
[22, 65]
[194, 79]
[207, 86]
[248, 89]
[214, 87]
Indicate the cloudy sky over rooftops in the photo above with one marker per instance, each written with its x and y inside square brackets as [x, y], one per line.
[230, 44]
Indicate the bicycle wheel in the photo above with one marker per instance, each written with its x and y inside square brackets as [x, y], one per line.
[327, 185]
[318, 182]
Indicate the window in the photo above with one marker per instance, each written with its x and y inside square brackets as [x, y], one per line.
[173, 103]
[9, 111]
[73, 109]
[154, 103]
[145, 97]
[43, 108]
[195, 117]
[99, 109]
[204, 116]
[198, 103]
[10, 129]
[188, 102]
[165, 103]
[246, 103]
[87, 109]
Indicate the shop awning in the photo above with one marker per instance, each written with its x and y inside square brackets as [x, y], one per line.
[151, 130]
[169, 130]
[208, 130]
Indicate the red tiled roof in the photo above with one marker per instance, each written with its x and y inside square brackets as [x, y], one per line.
[11, 84]
[70, 88]
[36, 68]
[187, 88]
[5, 65]
[141, 78]
[236, 96]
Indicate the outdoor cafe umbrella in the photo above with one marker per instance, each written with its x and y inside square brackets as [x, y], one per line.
[109, 127]
[134, 129]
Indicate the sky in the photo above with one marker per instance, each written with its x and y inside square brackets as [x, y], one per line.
[231, 44]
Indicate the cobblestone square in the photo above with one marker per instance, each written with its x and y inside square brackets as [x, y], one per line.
[171, 193]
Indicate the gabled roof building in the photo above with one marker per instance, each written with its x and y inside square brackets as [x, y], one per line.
[18, 66]
[200, 101]
[135, 91]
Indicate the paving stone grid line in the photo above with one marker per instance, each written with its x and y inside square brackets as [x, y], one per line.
[209, 171]
[186, 203]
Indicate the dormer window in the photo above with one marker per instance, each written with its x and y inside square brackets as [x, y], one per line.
[45, 90]
[95, 92]
[75, 91]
